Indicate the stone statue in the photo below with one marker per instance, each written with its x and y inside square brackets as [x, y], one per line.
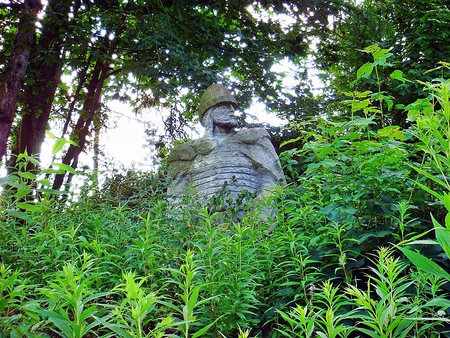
[224, 158]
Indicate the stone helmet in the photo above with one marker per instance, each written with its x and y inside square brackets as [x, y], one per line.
[214, 94]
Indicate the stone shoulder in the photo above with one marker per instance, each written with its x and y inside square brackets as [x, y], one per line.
[189, 150]
[251, 135]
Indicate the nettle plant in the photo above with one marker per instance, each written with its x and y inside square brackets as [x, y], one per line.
[369, 177]
[432, 129]
[353, 177]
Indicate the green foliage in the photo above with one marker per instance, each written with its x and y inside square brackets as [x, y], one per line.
[69, 300]
[13, 292]
[333, 260]
[432, 117]
[190, 292]
[349, 181]
[145, 54]
[130, 317]
[412, 31]
[324, 315]
[385, 307]
[387, 314]
[132, 186]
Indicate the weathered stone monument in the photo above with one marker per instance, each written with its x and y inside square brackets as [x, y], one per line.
[224, 158]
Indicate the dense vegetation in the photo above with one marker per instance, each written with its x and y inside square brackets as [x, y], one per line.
[350, 250]
[358, 244]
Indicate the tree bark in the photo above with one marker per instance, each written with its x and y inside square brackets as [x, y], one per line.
[91, 107]
[81, 130]
[45, 70]
[15, 73]
[96, 147]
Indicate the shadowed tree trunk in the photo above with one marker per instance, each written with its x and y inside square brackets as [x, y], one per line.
[45, 71]
[91, 108]
[15, 72]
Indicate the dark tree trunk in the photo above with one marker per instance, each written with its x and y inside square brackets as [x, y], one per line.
[45, 70]
[15, 73]
[91, 108]
[96, 146]
[81, 130]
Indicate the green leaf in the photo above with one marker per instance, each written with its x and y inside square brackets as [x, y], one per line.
[50, 134]
[27, 175]
[446, 200]
[398, 75]
[62, 323]
[291, 141]
[29, 207]
[205, 328]
[364, 71]
[65, 167]
[25, 157]
[381, 53]
[52, 171]
[431, 177]
[45, 182]
[59, 144]
[386, 131]
[442, 236]
[388, 101]
[117, 328]
[193, 298]
[382, 59]
[360, 104]
[439, 302]
[21, 215]
[88, 313]
[423, 263]
[202, 330]
[63, 86]
[362, 121]
[5, 180]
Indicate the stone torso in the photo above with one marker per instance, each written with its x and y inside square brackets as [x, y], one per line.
[244, 160]
[223, 167]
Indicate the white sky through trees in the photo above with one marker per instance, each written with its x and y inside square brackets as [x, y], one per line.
[127, 141]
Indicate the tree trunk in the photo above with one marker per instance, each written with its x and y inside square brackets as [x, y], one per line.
[45, 70]
[96, 146]
[81, 130]
[90, 108]
[15, 73]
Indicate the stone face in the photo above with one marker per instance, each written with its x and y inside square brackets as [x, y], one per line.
[242, 160]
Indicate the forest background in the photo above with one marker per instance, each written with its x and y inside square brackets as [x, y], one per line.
[359, 243]
[65, 64]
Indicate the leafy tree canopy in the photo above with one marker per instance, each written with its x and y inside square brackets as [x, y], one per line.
[414, 31]
[154, 53]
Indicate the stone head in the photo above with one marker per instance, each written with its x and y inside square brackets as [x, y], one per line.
[219, 103]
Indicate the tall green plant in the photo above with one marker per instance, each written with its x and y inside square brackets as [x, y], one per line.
[324, 316]
[387, 315]
[185, 279]
[432, 128]
[15, 320]
[134, 316]
[70, 301]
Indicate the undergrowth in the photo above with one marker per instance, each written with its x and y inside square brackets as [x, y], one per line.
[349, 251]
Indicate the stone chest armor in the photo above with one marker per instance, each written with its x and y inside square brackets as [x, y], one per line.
[223, 168]
[244, 160]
